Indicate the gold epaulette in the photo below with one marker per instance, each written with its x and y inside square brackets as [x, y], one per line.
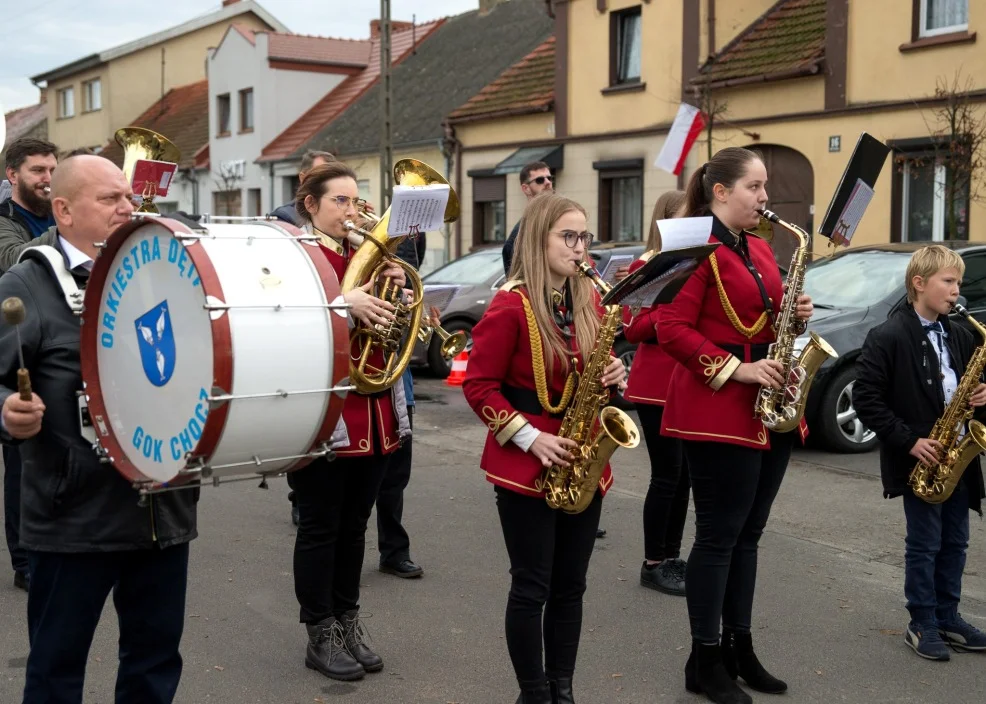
[646, 256]
[511, 284]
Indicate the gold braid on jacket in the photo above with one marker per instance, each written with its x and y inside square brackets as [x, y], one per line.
[537, 363]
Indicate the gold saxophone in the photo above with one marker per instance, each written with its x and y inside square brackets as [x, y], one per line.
[935, 483]
[781, 409]
[571, 489]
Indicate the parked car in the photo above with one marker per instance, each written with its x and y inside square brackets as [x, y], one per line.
[476, 278]
[853, 291]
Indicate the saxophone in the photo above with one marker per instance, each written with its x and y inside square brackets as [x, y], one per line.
[781, 409]
[935, 483]
[571, 489]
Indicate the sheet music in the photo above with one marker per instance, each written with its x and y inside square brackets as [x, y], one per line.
[439, 296]
[849, 219]
[615, 262]
[679, 233]
[417, 209]
[645, 296]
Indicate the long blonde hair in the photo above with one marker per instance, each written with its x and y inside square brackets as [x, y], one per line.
[667, 206]
[530, 265]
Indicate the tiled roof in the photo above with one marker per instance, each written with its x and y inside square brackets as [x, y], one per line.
[331, 105]
[464, 54]
[526, 87]
[786, 41]
[319, 50]
[21, 121]
[182, 116]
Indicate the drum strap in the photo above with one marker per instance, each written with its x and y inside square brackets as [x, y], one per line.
[56, 262]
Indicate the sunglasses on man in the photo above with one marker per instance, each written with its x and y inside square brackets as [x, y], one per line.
[539, 180]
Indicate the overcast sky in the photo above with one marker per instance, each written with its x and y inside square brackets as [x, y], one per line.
[44, 34]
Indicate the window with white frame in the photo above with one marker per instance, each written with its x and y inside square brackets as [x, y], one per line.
[92, 95]
[934, 201]
[66, 102]
[943, 17]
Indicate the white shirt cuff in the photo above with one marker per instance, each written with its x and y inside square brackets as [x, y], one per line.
[525, 437]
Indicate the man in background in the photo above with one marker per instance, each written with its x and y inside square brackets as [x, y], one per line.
[309, 161]
[535, 178]
[25, 215]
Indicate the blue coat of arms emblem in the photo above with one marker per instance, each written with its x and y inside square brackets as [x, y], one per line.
[156, 341]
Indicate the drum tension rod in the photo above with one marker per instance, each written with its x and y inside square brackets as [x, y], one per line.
[275, 306]
[218, 397]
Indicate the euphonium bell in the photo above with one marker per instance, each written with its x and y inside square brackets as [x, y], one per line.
[397, 339]
[139, 143]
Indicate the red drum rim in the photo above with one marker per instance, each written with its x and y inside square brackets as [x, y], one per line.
[340, 340]
[222, 343]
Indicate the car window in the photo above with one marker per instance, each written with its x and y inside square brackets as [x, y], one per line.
[856, 279]
[974, 282]
[471, 270]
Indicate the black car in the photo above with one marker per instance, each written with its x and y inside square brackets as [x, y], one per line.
[853, 291]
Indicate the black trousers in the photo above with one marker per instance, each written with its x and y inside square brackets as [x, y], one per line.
[666, 504]
[68, 591]
[734, 488]
[395, 546]
[334, 504]
[12, 507]
[549, 556]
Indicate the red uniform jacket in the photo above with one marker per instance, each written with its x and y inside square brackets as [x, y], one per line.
[650, 373]
[711, 311]
[360, 410]
[499, 362]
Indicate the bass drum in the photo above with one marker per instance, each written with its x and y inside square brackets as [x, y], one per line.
[212, 353]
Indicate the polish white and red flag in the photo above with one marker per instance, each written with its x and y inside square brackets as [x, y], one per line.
[687, 126]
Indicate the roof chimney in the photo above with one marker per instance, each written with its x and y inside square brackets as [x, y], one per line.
[227, 3]
[44, 95]
[486, 5]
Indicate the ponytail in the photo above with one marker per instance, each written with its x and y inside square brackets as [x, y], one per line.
[726, 167]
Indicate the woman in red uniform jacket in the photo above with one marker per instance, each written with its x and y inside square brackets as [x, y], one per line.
[536, 333]
[718, 328]
[335, 498]
[666, 505]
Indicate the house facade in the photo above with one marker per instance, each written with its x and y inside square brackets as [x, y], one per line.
[92, 97]
[259, 84]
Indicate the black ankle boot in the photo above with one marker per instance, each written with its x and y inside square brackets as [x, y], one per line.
[561, 690]
[355, 637]
[705, 673]
[535, 695]
[739, 659]
[327, 652]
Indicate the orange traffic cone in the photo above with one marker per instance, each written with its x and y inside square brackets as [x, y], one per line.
[458, 369]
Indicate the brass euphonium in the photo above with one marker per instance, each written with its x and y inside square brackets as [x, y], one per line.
[139, 143]
[377, 251]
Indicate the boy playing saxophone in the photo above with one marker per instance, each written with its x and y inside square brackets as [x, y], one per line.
[906, 377]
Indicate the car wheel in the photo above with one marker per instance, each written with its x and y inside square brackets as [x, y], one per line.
[624, 351]
[840, 427]
[440, 366]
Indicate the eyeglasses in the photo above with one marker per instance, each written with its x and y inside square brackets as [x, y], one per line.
[571, 237]
[344, 201]
[539, 180]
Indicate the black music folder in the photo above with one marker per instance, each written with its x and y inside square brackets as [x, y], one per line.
[660, 278]
[855, 190]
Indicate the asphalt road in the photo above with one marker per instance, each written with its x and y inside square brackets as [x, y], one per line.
[829, 613]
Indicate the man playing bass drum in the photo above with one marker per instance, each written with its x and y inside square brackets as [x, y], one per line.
[538, 331]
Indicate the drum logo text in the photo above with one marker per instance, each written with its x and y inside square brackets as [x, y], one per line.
[156, 340]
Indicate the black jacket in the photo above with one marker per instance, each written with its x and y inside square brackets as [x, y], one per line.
[413, 250]
[70, 502]
[898, 394]
[287, 213]
[14, 234]
[508, 249]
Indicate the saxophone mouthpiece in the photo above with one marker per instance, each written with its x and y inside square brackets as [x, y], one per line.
[769, 214]
[960, 309]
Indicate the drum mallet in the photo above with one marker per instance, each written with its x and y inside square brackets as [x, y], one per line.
[13, 314]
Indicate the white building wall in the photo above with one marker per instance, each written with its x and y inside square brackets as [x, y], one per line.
[279, 98]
